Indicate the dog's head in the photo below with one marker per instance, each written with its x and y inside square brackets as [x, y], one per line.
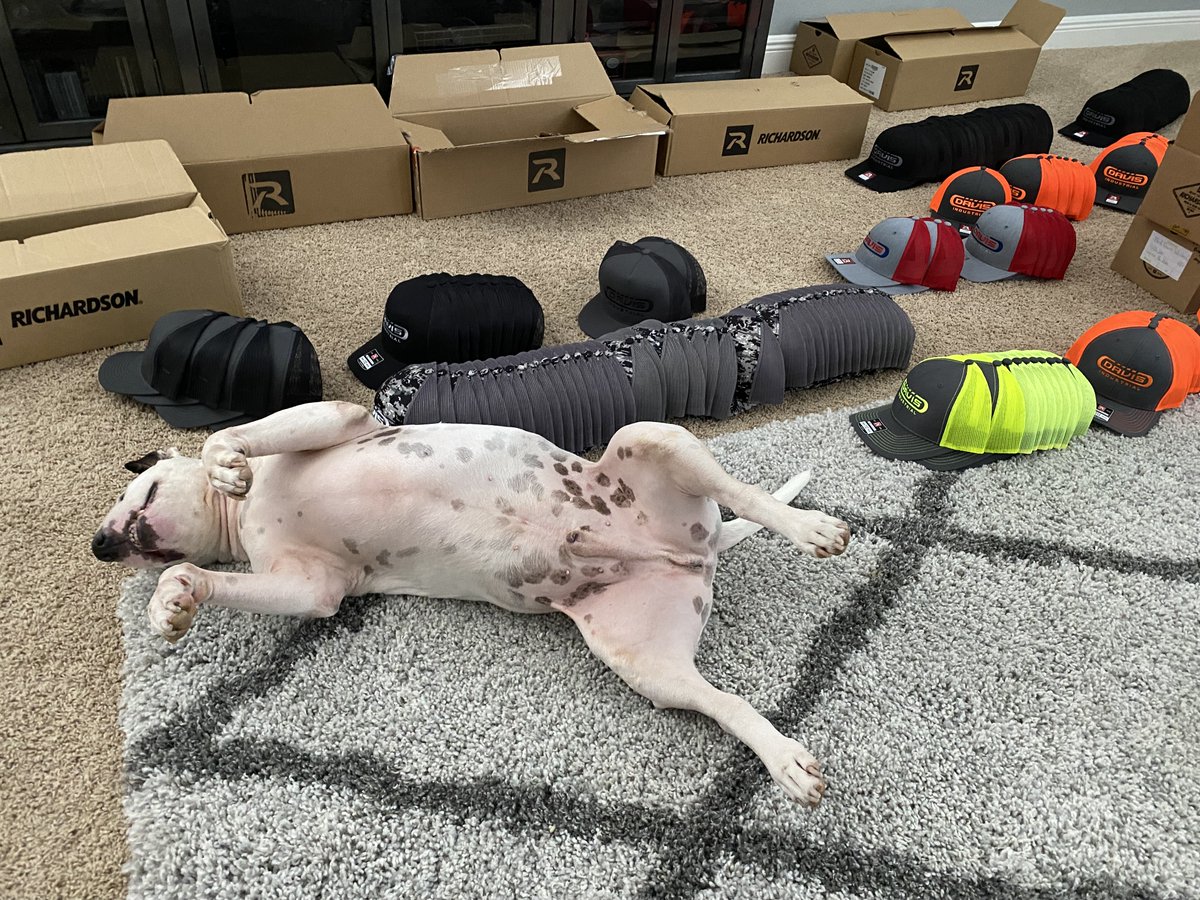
[161, 517]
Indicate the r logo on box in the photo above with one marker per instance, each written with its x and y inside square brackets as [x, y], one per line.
[966, 78]
[268, 193]
[547, 169]
[737, 140]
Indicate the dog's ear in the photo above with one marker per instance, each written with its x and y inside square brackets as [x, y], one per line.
[137, 466]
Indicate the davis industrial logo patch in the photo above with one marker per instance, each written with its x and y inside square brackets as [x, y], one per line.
[547, 169]
[737, 140]
[269, 193]
[966, 78]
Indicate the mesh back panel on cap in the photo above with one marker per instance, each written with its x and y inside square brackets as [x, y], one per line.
[970, 421]
[250, 387]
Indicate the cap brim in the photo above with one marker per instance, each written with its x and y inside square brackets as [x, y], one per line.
[596, 321]
[879, 182]
[975, 270]
[1124, 419]
[1080, 133]
[198, 416]
[856, 273]
[892, 441]
[1123, 201]
[371, 373]
[121, 373]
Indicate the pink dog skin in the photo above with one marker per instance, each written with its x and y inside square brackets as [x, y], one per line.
[325, 504]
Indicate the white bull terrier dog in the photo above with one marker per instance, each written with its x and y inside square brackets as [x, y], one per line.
[324, 504]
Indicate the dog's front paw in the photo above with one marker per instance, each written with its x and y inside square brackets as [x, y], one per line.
[174, 603]
[819, 534]
[799, 774]
[226, 466]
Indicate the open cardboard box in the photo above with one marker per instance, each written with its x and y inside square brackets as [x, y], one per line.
[278, 158]
[1173, 199]
[961, 65]
[520, 126]
[747, 123]
[96, 243]
[826, 47]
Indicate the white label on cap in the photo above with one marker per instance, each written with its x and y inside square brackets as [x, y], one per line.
[1102, 414]
[871, 426]
[871, 82]
[1165, 255]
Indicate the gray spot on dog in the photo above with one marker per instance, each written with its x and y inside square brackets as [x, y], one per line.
[368, 571]
[560, 468]
[623, 496]
[407, 551]
[572, 487]
[562, 576]
[532, 461]
[299, 514]
[457, 505]
[386, 441]
[585, 590]
[588, 617]
[600, 506]
[505, 507]
[450, 548]
[558, 455]
[493, 443]
[261, 530]
[560, 496]
[698, 604]
[603, 480]
[513, 576]
[620, 453]
[545, 601]
[464, 454]
[382, 558]
[709, 571]
[576, 467]
[699, 532]
[642, 518]
[536, 567]
[280, 520]
[580, 503]
[352, 546]
[522, 481]
[556, 509]
[620, 567]
[408, 448]
[592, 571]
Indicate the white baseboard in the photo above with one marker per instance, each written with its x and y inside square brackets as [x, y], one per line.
[1074, 31]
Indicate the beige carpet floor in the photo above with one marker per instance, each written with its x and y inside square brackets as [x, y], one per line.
[64, 440]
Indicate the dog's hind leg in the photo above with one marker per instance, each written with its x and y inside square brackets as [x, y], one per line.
[646, 630]
[686, 463]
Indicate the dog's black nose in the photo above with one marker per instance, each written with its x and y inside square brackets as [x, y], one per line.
[104, 545]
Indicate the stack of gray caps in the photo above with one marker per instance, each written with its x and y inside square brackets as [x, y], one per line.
[578, 395]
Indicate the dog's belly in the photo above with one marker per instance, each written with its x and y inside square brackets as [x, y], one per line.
[477, 513]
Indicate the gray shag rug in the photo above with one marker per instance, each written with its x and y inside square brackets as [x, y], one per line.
[1002, 676]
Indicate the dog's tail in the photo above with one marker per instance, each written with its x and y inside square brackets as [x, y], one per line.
[737, 530]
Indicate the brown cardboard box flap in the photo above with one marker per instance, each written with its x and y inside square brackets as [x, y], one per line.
[1035, 19]
[423, 138]
[933, 45]
[72, 179]
[123, 239]
[203, 128]
[751, 94]
[613, 118]
[855, 26]
[439, 82]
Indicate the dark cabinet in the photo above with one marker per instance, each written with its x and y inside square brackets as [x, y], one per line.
[64, 59]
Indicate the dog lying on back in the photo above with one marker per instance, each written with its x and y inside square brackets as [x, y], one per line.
[626, 546]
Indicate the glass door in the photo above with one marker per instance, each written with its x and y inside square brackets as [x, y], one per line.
[434, 26]
[66, 58]
[628, 36]
[254, 45]
[717, 38]
[10, 125]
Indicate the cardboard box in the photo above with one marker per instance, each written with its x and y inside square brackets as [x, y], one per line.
[96, 243]
[721, 125]
[964, 65]
[826, 47]
[1173, 199]
[519, 126]
[277, 159]
[1165, 264]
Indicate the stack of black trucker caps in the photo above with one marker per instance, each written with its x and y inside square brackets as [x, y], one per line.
[1146, 102]
[450, 318]
[961, 411]
[652, 278]
[904, 156]
[578, 395]
[904, 255]
[205, 369]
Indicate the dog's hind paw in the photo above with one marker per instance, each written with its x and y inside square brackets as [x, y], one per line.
[799, 774]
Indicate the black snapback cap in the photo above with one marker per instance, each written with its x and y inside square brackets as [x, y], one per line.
[202, 368]
[449, 318]
[652, 278]
[1146, 102]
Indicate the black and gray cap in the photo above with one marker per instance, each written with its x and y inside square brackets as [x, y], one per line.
[652, 278]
